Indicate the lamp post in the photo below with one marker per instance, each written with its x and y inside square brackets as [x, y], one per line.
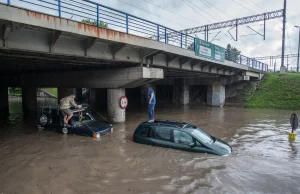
[298, 49]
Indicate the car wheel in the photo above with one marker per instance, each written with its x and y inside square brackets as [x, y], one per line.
[65, 130]
[44, 119]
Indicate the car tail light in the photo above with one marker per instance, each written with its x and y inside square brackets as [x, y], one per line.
[96, 135]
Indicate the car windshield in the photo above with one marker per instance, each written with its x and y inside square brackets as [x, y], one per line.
[202, 136]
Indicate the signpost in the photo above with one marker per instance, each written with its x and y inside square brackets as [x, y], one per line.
[123, 102]
[219, 53]
[294, 125]
[209, 50]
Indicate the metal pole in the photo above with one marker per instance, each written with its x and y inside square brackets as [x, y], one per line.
[287, 63]
[298, 50]
[275, 65]
[59, 8]
[157, 33]
[236, 27]
[283, 36]
[180, 39]
[98, 22]
[207, 33]
[185, 33]
[265, 26]
[165, 35]
[127, 23]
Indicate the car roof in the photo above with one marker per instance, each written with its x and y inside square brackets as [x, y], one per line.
[177, 124]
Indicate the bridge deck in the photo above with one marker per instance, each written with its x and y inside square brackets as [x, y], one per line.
[55, 38]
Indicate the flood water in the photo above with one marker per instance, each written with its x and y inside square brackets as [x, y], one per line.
[263, 159]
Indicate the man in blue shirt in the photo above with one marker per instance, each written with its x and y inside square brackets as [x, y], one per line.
[152, 101]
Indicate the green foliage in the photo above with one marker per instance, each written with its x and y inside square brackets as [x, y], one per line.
[52, 91]
[278, 92]
[232, 53]
[15, 91]
[94, 23]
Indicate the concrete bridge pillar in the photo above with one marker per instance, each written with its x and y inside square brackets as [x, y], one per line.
[184, 94]
[181, 92]
[4, 107]
[216, 95]
[115, 113]
[79, 95]
[29, 100]
[63, 92]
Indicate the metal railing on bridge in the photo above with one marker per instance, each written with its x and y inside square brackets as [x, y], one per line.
[103, 16]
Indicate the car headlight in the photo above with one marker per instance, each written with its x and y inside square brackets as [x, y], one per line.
[112, 129]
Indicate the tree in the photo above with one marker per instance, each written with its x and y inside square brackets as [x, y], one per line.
[232, 53]
[191, 46]
[94, 23]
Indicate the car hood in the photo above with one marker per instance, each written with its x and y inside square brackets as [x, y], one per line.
[97, 126]
[221, 147]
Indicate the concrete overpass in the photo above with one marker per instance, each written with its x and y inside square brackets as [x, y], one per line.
[41, 50]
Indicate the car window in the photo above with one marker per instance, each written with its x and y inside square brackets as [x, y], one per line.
[163, 133]
[202, 136]
[182, 138]
[199, 144]
[144, 132]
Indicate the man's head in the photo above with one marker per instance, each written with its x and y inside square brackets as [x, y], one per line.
[73, 96]
[148, 86]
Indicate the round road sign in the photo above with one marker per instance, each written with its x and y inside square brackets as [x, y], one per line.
[123, 102]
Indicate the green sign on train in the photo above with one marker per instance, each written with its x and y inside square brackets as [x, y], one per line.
[209, 50]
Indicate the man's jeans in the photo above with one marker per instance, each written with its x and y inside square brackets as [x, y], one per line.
[151, 111]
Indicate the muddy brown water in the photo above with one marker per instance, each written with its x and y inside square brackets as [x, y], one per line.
[263, 159]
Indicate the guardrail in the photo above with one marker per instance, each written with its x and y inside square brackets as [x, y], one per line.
[103, 16]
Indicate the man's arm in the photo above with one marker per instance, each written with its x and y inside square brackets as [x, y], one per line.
[152, 95]
[73, 103]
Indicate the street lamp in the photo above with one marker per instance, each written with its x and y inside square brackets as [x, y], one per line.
[298, 49]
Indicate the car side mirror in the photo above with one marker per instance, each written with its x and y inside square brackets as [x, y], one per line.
[192, 144]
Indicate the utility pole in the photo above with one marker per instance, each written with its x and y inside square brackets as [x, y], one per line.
[298, 49]
[275, 65]
[282, 68]
[287, 64]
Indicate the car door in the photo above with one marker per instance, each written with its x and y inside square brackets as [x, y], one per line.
[201, 148]
[143, 136]
[161, 136]
[182, 140]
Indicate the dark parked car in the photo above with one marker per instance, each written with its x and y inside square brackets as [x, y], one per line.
[83, 123]
[179, 135]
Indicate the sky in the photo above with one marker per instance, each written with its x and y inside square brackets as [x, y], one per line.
[183, 14]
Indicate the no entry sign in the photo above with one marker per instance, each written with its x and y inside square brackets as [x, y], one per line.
[123, 102]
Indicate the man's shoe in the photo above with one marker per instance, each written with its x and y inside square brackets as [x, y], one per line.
[68, 126]
[151, 121]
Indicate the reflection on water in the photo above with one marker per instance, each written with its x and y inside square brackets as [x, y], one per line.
[263, 159]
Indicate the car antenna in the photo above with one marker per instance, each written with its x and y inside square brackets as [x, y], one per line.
[101, 116]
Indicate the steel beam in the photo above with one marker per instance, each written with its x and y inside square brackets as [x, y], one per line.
[170, 58]
[89, 43]
[7, 29]
[232, 23]
[183, 60]
[116, 48]
[53, 39]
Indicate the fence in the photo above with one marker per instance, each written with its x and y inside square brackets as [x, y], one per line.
[107, 17]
